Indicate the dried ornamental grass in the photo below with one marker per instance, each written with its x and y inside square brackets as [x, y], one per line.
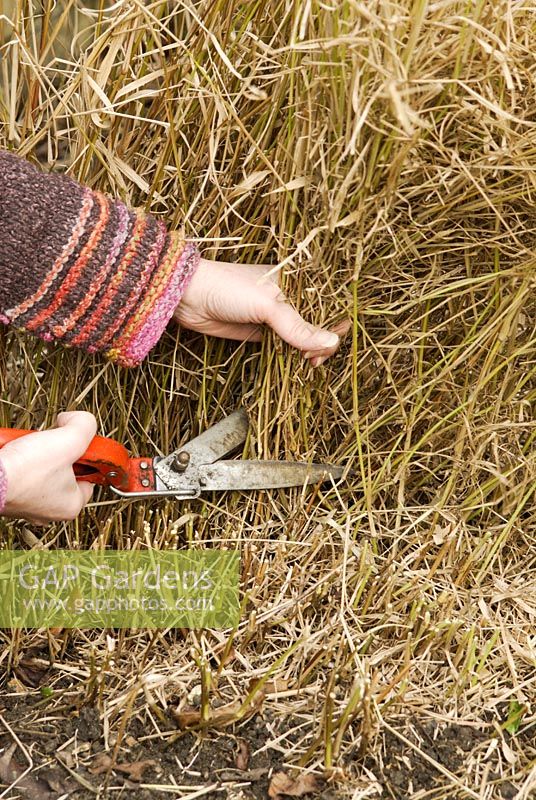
[381, 156]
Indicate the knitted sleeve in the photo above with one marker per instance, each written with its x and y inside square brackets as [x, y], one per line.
[83, 269]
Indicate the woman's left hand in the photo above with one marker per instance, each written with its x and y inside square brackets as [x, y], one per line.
[233, 301]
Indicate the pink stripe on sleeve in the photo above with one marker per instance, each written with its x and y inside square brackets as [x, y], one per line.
[3, 487]
[150, 330]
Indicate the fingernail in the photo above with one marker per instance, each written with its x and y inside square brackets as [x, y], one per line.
[327, 339]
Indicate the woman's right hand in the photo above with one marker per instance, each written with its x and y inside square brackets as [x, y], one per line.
[41, 484]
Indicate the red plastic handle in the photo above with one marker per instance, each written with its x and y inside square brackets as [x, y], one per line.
[105, 462]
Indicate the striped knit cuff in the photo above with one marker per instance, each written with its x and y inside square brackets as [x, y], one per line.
[152, 316]
[3, 487]
[84, 270]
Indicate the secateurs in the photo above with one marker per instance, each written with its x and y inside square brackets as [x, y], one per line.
[194, 468]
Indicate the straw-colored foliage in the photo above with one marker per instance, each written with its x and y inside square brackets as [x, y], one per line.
[382, 155]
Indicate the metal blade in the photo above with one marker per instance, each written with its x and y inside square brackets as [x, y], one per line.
[228, 475]
[219, 440]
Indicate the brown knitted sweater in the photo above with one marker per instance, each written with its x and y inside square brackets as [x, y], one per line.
[83, 269]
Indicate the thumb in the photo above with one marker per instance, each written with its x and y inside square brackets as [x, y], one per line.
[288, 324]
[85, 491]
[79, 428]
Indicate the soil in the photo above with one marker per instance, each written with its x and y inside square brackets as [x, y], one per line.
[70, 759]
[403, 772]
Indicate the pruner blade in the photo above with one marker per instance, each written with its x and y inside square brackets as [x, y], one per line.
[217, 441]
[246, 475]
[196, 467]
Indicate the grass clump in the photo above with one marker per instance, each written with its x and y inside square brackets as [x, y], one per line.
[381, 155]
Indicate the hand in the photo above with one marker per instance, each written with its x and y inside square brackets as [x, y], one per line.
[41, 485]
[232, 301]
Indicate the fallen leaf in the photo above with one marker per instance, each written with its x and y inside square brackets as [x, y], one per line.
[32, 673]
[30, 787]
[16, 686]
[283, 785]
[137, 768]
[242, 757]
[188, 716]
[103, 763]
[57, 781]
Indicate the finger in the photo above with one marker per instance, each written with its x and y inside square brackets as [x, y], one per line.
[79, 428]
[341, 329]
[288, 324]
